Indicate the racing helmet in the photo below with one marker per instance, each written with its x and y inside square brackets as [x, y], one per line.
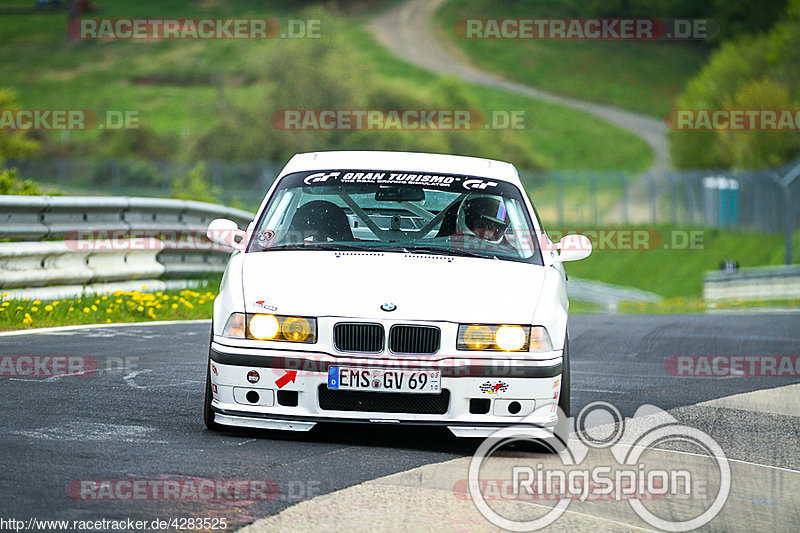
[483, 216]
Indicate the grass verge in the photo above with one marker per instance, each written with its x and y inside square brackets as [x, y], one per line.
[698, 305]
[675, 268]
[116, 307]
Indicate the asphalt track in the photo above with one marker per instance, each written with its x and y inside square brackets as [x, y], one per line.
[144, 420]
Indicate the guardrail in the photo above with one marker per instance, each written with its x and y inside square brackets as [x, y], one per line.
[91, 244]
[758, 283]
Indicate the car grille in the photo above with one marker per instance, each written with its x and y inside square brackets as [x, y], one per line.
[358, 337]
[415, 340]
[383, 402]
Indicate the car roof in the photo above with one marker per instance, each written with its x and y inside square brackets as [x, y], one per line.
[403, 161]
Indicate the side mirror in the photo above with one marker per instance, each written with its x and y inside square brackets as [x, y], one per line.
[226, 233]
[574, 247]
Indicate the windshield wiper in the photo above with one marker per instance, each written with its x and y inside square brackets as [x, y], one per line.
[449, 251]
[313, 246]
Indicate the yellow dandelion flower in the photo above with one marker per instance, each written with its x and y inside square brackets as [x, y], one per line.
[6, 304]
[48, 308]
[34, 309]
[86, 309]
[144, 287]
[28, 320]
[108, 321]
[3, 295]
[140, 308]
[71, 309]
[174, 306]
[94, 307]
[36, 302]
[108, 310]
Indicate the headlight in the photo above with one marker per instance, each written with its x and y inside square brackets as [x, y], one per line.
[271, 328]
[282, 328]
[503, 337]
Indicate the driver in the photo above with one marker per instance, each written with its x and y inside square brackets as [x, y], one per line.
[483, 216]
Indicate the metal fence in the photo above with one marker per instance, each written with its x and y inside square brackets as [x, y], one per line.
[751, 201]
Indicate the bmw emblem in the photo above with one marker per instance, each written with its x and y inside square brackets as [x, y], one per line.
[388, 307]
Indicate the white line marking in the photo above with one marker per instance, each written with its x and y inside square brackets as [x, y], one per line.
[128, 379]
[708, 456]
[93, 326]
[593, 516]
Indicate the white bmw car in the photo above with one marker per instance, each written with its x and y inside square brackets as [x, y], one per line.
[396, 288]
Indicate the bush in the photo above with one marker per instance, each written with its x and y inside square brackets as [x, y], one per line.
[10, 184]
[195, 185]
[748, 73]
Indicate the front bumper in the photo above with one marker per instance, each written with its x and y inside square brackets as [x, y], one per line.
[530, 385]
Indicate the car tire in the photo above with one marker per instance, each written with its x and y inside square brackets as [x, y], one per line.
[208, 412]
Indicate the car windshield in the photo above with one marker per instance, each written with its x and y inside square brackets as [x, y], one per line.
[444, 214]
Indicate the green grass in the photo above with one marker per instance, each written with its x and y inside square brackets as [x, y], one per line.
[636, 75]
[577, 307]
[679, 272]
[171, 84]
[117, 307]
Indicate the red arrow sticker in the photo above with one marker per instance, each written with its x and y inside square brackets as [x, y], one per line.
[286, 378]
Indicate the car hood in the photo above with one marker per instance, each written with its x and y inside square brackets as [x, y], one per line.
[421, 286]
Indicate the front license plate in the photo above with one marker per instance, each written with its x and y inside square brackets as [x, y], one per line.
[349, 378]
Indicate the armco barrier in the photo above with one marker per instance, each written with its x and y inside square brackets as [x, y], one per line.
[759, 283]
[67, 266]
